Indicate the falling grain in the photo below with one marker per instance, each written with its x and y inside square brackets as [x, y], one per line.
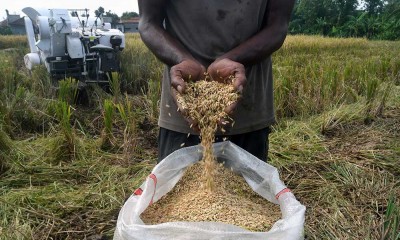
[205, 102]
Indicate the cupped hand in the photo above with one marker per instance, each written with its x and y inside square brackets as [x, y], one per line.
[226, 71]
[186, 71]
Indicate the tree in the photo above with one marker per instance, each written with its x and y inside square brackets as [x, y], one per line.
[114, 17]
[317, 16]
[307, 12]
[129, 15]
[374, 19]
[373, 7]
[99, 11]
[391, 20]
[346, 9]
[5, 30]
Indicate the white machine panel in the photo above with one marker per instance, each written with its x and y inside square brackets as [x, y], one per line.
[74, 47]
[60, 20]
[31, 60]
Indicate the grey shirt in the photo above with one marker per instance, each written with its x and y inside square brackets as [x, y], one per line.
[208, 29]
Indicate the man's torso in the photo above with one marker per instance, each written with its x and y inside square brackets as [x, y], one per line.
[208, 29]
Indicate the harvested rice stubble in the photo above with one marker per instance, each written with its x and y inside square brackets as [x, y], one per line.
[205, 102]
[232, 201]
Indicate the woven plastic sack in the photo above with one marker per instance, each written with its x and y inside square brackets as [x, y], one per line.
[262, 178]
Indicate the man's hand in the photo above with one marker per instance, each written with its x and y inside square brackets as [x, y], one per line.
[186, 71]
[225, 70]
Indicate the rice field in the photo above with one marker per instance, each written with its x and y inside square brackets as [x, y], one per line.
[66, 169]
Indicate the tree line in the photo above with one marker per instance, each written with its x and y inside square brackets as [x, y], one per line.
[372, 19]
[115, 19]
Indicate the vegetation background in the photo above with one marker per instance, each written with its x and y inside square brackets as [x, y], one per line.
[66, 168]
[373, 19]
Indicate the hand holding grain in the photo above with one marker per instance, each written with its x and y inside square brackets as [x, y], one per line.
[186, 71]
[226, 71]
[181, 74]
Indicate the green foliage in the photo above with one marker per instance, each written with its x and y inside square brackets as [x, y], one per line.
[107, 138]
[67, 146]
[114, 17]
[41, 82]
[115, 86]
[18, 42]
[129, 15]
[99, 11]
[138, 65]
[108, 114]
[68, 90]
[153, 96]
[5, 145]
[5, 30]
[377, 19]
[21, 110]
[63, 113]
[128, 116]
[373, 7]
[391, 226]
[312, 76]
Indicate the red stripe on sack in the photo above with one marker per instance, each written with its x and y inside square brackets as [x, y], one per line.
[154, 177]
[138, 192]
[285, 190]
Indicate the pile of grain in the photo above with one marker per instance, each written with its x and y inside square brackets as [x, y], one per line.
[232, 201]
[205, 102]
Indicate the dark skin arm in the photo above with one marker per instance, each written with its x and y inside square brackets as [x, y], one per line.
[185, 67]
[165, 47]
[269, 39]
[256, 48]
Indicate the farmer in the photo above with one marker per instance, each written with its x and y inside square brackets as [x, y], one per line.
[222, 38]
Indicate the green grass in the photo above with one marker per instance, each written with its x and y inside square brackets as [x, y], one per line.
[335, 145]
[314, 74]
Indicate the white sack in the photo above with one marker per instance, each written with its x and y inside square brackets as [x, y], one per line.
[262, 178]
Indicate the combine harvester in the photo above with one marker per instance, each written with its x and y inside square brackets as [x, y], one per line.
[84, 48]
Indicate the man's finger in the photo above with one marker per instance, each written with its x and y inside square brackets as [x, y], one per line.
[231, 108]
[239, 81]
[177, 80]
[178, 84]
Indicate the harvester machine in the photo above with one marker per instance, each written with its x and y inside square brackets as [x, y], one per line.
[72, 44]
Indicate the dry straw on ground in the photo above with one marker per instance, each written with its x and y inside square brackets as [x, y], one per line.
[205, 102]
[232, 201]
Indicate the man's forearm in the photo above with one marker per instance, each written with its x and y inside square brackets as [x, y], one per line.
[163, 46]
[269, 39]
[156, 38]
[256, 48]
